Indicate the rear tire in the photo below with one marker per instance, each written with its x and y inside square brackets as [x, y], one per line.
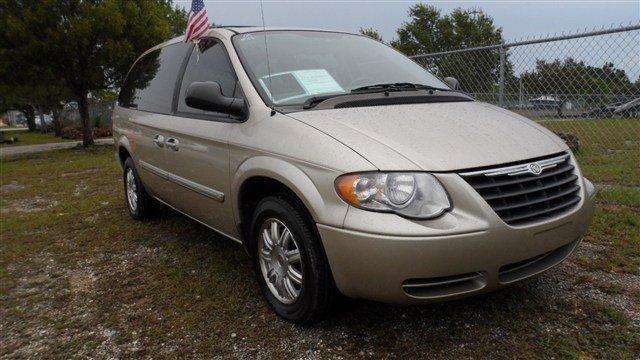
[140, 204]
[294, 276]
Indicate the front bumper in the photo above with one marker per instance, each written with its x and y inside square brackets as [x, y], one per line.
[468, 251]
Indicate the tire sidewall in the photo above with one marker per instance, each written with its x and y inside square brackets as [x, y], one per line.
[275, 207]
[128, 164]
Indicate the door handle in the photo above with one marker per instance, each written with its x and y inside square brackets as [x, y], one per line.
[172, 143]
[159, 140]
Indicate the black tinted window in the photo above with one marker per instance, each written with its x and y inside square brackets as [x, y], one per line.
[208, 62]
[150, 84]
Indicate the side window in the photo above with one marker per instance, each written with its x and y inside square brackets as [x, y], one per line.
[208, 62]
[151, 82]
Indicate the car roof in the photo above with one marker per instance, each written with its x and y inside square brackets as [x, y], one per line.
[246, 29]
[240, 29]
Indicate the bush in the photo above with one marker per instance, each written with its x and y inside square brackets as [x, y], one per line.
[74, 132]
[101, 132]
[572, 140]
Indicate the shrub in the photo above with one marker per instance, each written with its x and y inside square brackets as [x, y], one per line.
[74, 132]
[101, 132]
[571, 140]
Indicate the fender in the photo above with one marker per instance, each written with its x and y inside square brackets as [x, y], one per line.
[123, 141]
[295, 179]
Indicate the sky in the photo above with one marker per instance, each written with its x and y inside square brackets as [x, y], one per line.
[518, 19]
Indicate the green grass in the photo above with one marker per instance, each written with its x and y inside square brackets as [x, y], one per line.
[617, 229]
[31, 138]
[610, 151]
[79, 277]
[620, 195]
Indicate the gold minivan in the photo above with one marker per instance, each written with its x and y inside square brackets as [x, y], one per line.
[343, 167]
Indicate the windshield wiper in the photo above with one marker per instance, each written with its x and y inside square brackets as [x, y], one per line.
[315, 100]
[401, 86]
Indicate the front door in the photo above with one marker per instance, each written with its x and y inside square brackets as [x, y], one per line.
[196, 143]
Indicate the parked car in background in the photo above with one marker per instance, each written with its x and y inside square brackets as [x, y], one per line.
[618, 109]
[43, 121]
[344, 167]
[545, 102]
[629, 109]
[14, 118]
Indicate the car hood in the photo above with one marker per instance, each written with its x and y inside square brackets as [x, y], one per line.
[435, 136]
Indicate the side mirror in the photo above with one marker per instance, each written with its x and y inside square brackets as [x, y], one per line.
[208, 96]
[452, 82]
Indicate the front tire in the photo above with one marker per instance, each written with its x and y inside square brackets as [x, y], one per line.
[292, 270]
[140, 204]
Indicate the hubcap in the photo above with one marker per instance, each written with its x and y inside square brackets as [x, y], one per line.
[132, 194]
[280, 261]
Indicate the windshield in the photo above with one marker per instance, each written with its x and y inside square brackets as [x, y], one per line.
[305, 64]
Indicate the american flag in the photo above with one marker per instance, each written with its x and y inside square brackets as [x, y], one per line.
[198, 21]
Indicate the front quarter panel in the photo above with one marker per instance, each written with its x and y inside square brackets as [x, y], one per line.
[304, 159]
[125, 133]
[312, 184]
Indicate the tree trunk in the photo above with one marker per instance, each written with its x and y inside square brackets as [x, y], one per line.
[29, 113]
[83, 107]
[57, 123]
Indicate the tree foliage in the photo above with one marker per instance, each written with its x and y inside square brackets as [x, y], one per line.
[429, 31]
[83, 45]
[372, 33]
[571, 77]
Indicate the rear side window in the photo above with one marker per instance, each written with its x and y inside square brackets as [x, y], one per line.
[208, 62]
[151, 82]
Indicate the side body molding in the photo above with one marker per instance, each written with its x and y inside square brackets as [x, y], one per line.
[188, 184]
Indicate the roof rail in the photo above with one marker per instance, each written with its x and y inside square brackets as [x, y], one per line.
[230, 26]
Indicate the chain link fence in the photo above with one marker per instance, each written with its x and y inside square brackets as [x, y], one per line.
[583, 86]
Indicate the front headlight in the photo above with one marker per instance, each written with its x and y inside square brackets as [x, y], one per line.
[413, 195]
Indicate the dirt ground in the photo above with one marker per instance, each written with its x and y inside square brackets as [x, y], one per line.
[79, 278]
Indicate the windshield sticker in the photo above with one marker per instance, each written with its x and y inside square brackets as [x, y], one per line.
[317, 81]
[246, 37]
[289, 85]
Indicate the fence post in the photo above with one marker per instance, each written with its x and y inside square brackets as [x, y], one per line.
[503, 52]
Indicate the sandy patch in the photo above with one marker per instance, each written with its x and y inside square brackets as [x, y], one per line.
[36, 203]
[12, 186]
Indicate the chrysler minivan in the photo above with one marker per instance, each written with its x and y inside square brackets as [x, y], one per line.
[343, 167]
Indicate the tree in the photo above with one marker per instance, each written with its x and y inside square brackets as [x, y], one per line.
[569, 78]
[372, 33]
[27, 97]
[429, 31]
[88, 45]
[24, 84]
[29, 90]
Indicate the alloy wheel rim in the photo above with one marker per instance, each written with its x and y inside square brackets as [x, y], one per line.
[132, 194]
[280, 261]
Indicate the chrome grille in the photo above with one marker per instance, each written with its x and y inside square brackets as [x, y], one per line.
[520, 196]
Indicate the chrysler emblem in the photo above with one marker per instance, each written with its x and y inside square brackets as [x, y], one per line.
[535, 168]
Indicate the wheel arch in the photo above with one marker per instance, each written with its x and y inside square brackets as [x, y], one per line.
[124, 150]
[260, 176]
